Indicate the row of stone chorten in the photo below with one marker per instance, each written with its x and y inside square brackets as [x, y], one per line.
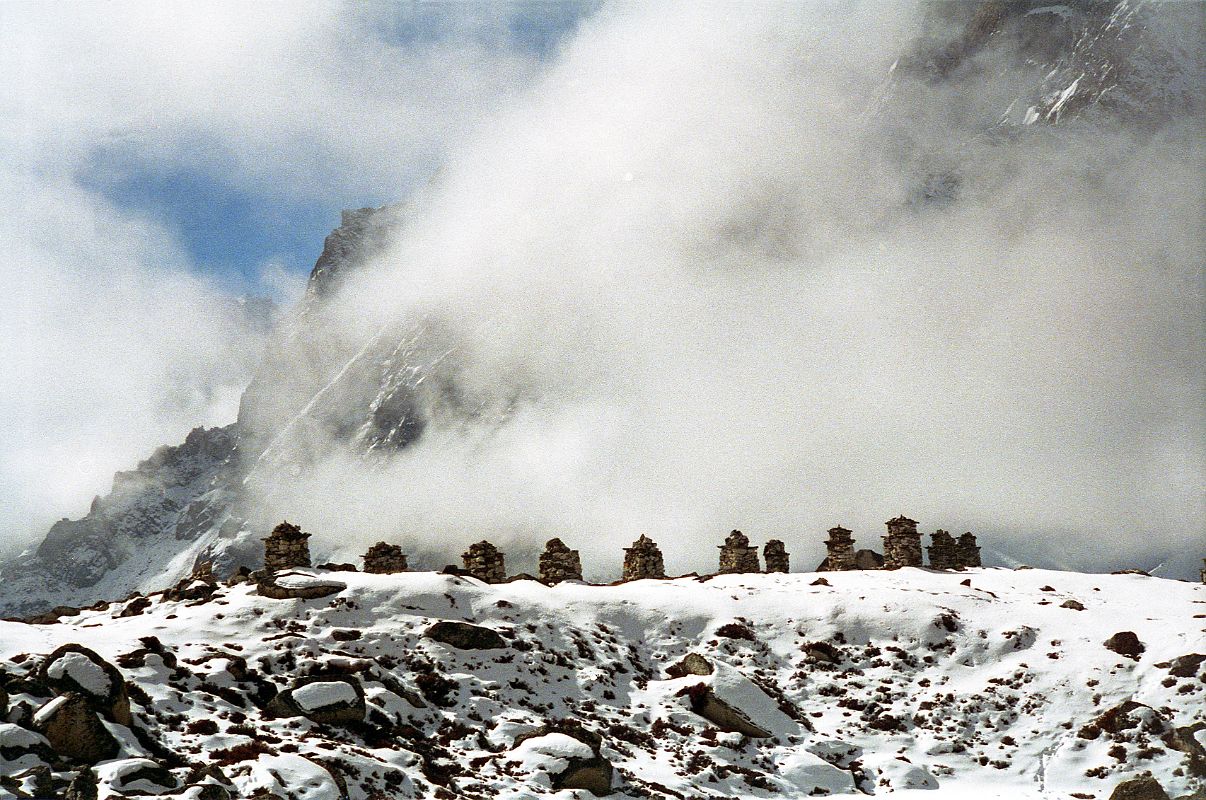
[287, 546]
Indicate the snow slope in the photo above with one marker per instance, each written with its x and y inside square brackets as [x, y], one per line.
[905, 682]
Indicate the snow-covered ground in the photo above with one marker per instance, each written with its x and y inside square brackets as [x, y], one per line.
[982, 683]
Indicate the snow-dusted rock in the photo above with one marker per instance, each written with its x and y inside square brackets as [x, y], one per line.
[74, 730]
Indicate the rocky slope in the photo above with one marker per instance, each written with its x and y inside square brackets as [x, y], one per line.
[986, 683]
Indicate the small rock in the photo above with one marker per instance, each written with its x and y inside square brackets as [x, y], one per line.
[819, 582]
[1075, 605]
[82, 786]
[1186, 666]
[464, 636]
[1125, 643]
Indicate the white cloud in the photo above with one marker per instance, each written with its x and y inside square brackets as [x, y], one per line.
[112, 341]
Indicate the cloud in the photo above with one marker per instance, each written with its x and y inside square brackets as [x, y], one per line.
[114, 341]
[694, 274]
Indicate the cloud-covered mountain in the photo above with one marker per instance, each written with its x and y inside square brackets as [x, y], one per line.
[802, 267]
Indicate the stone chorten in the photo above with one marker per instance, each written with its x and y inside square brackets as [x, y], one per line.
[643, 560]
[736, 555]
[968, 551]
[287, 546]
[558, 563]
[485, 562]
[943, 552]
[840, 547]
[776, 556]
[385, 559]
[902, 544]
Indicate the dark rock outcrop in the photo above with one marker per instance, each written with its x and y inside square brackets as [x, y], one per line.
[1145, 787]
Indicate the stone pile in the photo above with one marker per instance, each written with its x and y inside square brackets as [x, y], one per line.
[902, 544]
[776, 556]
[485, 562]
[840, 547]
[385, 559]
[559, 563]
[287, 546]
[943, 552]
[643, 560]
[968, 551]
[737, 556]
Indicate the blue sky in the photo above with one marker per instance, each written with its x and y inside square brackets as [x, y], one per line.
[231, 228]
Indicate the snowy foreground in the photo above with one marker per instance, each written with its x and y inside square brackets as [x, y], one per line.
[901, 682]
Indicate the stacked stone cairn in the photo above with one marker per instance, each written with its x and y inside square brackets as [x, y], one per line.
[968, 551]
[943, 552]
[902, 544]
[385, 559]
[776, 556]
[287, 546]
[558, 563]
[736, 555]
[643, 560]
[485, 562]
[840, 547]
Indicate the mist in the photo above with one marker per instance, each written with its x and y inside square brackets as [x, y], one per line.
[691, 283]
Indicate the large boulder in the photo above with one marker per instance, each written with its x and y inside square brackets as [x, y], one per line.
[691, 664]
[297, 585]
[1145, 787]
[706, 704]
[75, 668]
[337, 700]
[464, 636]
[74, 730]
[568, 754]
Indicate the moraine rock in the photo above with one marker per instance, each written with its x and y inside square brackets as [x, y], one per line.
[74, 730]
[335, 700]
[691, 664]
[1145, 787]
[297, 585]
[75, 668]
[1125, 643]
[464, 636]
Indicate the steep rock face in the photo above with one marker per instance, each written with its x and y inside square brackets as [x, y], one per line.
[152, 514]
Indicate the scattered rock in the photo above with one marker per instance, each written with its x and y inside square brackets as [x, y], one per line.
[136, 606]
[1125, 643]
[1144, 787]
[464, 636]
[1075, 605]
[82, 787]
[74, 730]
[691, 664]
[819, 582]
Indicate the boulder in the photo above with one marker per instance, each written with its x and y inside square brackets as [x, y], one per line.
[706, 704]
[692, 664]
[591, 774]
[297, 585]
[74, 668]
[464, 636]
[1125, 643]
[1186, 666]
[82, 787]
[337, 700]
[1145, 787]
[17, 744]
[138, 776]
[1074, 605]
[74, 730]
